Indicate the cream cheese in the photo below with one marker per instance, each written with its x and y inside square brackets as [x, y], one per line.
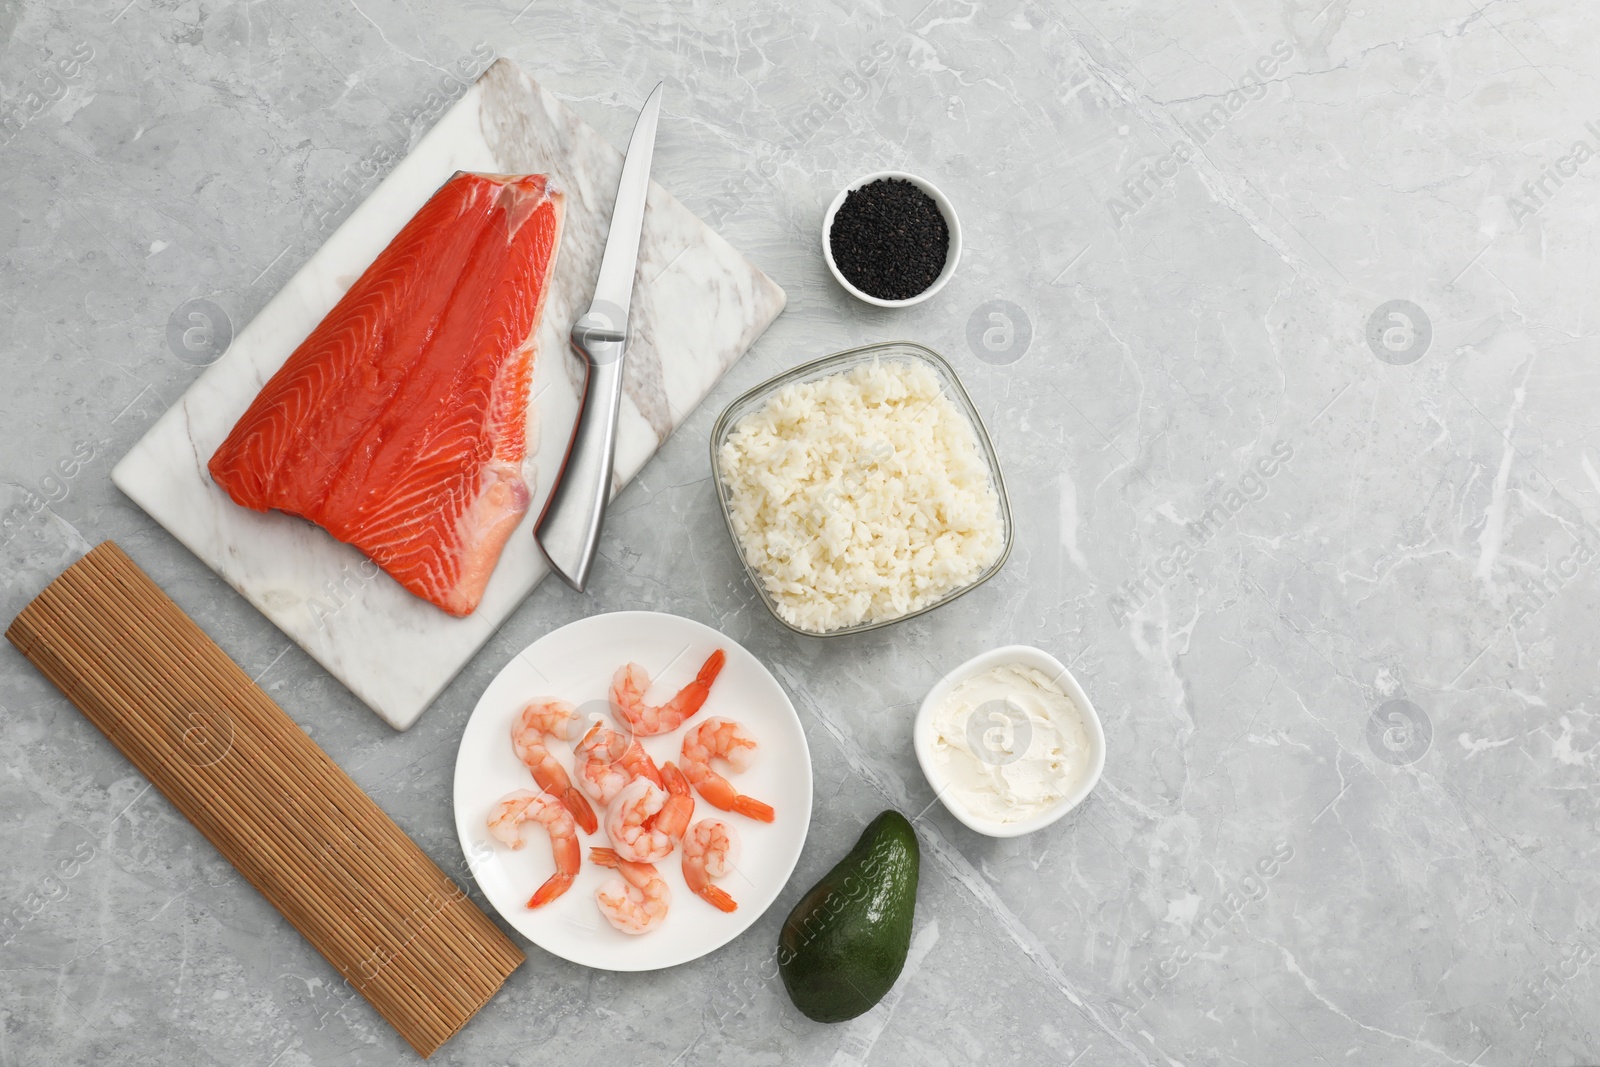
[1009, 743]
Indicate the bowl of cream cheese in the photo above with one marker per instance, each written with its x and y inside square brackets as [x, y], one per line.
[1009, 741]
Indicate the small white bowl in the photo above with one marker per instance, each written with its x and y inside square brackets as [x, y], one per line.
[952, 255]
[1038, 659]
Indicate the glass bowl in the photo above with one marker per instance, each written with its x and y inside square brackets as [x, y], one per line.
[907, 351]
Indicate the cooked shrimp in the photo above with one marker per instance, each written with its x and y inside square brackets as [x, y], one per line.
[710, 851]
[636, 902]
[673, 818]
[632, 681]
[607, 761]
[721, 739]
[554, 718]
[629, 822]
[505, 823]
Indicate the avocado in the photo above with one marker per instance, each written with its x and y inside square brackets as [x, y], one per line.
[844, 944]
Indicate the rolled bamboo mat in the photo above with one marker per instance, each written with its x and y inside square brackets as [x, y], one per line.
[399, 931]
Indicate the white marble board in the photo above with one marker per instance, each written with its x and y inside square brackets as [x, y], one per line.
[697, 307]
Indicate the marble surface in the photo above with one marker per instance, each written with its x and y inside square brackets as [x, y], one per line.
[1324, 561]
[699, 306]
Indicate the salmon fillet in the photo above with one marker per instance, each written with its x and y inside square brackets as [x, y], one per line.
[399, 424]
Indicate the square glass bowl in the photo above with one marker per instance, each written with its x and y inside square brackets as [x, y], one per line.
[905, 351]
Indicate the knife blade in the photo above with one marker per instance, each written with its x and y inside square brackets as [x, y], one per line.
[568, 530]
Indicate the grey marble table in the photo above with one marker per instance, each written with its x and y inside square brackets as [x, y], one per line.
[1282, 317]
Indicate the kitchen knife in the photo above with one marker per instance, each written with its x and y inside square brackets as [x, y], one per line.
[568, 530]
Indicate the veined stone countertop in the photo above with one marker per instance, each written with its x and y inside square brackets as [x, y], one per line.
[1280, 316]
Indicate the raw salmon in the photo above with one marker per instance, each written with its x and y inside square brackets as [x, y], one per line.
[399, 424]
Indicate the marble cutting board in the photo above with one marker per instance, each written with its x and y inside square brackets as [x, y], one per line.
[698, 305]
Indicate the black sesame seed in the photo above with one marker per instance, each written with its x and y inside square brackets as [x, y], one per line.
[889, 239]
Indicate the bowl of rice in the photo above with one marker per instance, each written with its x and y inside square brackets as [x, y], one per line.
[861, 489]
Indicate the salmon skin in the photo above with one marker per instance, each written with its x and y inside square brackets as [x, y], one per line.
[399, 424]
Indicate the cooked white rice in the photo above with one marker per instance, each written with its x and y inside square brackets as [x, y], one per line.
[861, 496]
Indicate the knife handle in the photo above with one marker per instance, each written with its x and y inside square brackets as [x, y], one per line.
[568, 530]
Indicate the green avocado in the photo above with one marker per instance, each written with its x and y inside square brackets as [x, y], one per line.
[844, 944]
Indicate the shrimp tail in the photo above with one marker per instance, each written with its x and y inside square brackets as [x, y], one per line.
[553, 887]
[711, 668]
[755, 809]
[631, 869]
[718, 896]
[695, 693]
[647, 767]
[577, 806]
[675, 815]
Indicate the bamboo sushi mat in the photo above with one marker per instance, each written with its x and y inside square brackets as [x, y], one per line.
[393, 925]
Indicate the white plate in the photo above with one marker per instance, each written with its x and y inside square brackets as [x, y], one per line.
[576, 663]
